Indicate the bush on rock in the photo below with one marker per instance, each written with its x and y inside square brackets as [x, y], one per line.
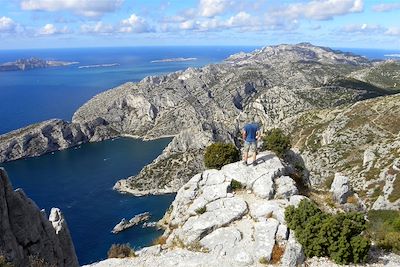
[336, 236]
[276, 141]
[220, 154]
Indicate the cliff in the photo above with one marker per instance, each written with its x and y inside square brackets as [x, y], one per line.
[27, 236]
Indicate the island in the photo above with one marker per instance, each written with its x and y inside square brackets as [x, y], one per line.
[125, 224]
[99, 66]
[33, 63]
[178, 59]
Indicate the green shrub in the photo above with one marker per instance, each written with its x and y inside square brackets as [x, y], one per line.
[120, 251]
[276, 141]
[220, 154]
[236, 185]
[384, 228]
[201, 210]
[321, 234]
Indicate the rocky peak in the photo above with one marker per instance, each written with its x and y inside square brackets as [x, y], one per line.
[26, 235]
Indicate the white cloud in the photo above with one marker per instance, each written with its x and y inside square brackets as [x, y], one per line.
[362, 28]
[211, 8]
[188, 25]
[135, 24]
[98, 28]
[7, 25]
[240, 19]
[50, 29]
[394, 31]
[322, 9]
[386, 7]
[88, 8]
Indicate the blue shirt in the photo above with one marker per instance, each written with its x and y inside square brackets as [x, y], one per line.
[251, 131]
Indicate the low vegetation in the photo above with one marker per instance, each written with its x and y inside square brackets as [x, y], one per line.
[120, 251]
[277, 254]
[335, 236]
[276, 141]
[384, 228]
[161, 240]
[201, 210]
[236, 185]
[220, 154]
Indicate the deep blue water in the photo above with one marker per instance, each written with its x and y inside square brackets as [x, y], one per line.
[80, 181]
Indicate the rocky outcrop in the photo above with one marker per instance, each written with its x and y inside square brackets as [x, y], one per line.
[209, 224]
[340, 188]
[26, 235]
[135, 220]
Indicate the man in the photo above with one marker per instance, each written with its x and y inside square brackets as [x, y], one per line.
[250, 134]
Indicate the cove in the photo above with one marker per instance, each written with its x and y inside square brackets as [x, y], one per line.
[79, 181]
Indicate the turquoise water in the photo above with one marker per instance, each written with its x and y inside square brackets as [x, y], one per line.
[80, 181]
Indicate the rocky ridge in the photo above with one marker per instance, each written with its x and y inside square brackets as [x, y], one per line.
[26, 235]
[203, 105]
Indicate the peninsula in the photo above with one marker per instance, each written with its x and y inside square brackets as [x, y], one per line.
[33, 63]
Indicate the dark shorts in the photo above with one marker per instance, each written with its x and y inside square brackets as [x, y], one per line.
[250, 146]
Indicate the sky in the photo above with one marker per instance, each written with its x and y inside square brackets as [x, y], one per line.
[107, 23]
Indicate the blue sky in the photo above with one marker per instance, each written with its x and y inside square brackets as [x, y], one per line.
[90, 23]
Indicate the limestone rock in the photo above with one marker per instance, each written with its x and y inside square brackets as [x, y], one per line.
[340, 188]
[218, 213]
[265, 238]
[26, 232]
[294, 254]
[286, 187]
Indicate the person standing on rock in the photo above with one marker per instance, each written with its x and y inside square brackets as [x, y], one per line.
[250, 134]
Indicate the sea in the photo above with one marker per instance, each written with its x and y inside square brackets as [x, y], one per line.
[79, 180]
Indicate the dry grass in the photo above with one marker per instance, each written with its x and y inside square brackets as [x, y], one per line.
[352, 200]
[4, 262]
[120, 251]
[277, 253]
[161, 240]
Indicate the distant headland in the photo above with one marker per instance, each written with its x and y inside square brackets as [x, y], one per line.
[178, 59]
[32, 63]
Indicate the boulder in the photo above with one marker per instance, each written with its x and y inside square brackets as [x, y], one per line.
[340, 188]
[294, 254]
[285, 187]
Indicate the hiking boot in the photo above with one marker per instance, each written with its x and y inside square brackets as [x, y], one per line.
[244, 163]
[254, 163]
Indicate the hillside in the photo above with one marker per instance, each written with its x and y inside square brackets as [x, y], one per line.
[361, 141]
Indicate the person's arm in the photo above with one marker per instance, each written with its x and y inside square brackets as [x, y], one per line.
[244, 135]
[258, 135]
